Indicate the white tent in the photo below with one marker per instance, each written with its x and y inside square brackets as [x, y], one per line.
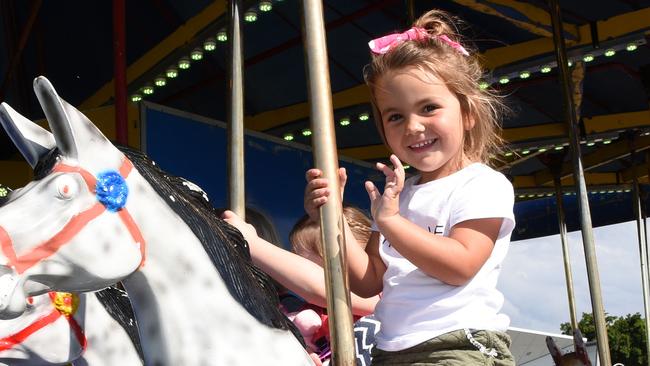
[529, 347]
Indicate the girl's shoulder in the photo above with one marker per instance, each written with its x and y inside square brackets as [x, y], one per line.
[479, 172]
[473, 176]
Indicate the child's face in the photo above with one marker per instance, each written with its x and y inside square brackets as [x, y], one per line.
[423, 122]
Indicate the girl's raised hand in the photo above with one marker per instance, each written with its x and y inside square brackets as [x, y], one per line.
[317, 190]
[386, 205]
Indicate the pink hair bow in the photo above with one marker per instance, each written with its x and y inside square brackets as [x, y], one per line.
[384, 44]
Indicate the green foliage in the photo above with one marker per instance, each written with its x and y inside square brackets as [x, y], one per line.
[626, 335]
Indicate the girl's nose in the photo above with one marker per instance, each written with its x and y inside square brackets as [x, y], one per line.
[414, 125]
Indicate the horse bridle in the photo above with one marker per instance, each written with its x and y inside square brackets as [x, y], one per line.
[62, 306]
[78, 221]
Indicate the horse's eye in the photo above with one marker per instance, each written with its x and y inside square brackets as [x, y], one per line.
[66, 187]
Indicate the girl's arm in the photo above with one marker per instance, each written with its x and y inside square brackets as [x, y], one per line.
[298, 274]
[365, 268]
[454, 259]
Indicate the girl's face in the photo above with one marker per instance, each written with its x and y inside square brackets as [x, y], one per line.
[423, 122]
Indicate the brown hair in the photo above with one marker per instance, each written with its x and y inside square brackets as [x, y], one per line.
[460, 73]
[305, 235]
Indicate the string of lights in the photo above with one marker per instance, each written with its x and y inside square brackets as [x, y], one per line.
[209, 45]
[343, 121]
[526, 194]
[586, 54]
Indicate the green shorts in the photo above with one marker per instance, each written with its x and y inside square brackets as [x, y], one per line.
[457, 348]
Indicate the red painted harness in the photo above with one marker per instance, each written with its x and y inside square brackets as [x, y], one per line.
[19, 337]
[74, 226]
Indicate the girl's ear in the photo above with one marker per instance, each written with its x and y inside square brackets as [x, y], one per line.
[466, 106]
[468, 122]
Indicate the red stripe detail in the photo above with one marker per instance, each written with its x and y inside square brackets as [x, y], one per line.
[7, 246]
[126, 168]
[78, 332]
[90, 180]
[72, 228]
[127, 219]
[12, 340]
[74, 326]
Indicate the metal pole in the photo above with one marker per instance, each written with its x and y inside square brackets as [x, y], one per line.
[643, 247]
[119, 70]
[325, 159]
[236, 174]
[565, 250]
[581, 188]
[644, 257]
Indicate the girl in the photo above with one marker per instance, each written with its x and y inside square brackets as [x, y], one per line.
[442, 234]
[302, 273]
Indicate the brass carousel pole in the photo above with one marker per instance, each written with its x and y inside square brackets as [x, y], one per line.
[236, 176]
[643, 245]
[581, 187]
[325, 159]
[565, 249]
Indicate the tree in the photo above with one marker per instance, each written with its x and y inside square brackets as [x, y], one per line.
[626, 336]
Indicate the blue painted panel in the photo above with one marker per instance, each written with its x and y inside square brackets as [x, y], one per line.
[185, 146]
[275, 171]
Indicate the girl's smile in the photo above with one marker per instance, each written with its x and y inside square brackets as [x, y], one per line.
[423, 146]
[423, 122]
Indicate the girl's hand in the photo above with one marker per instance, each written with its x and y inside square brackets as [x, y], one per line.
[384, 206]
[247, 230]
[317, 191]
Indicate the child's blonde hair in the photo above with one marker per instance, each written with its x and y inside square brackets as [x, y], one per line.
[461, 74]
[305, 235]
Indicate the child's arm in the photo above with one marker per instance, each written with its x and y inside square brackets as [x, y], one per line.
[365, 268]
[454, 259]
[298, 274]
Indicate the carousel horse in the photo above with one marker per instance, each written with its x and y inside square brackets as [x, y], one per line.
[100, 215]
[579, 357]
[60, 328]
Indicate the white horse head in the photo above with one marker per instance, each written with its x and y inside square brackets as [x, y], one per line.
[82, 225]
[52, 229]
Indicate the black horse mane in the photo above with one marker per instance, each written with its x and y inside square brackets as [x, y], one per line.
[225, 245]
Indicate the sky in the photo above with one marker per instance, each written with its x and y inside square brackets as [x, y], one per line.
[533, 282]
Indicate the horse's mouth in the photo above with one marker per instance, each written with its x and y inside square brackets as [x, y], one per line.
[12, 296]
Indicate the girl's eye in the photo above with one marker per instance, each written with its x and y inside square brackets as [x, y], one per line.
[430, 108]
[394, 117]
[66, 187]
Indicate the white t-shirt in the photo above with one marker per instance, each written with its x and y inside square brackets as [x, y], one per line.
[415, 307]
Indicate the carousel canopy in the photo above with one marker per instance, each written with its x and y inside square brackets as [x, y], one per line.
[177, 56]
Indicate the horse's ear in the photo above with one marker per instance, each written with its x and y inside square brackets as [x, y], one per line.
[75, 135]
[32, 140]
[56, 115]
